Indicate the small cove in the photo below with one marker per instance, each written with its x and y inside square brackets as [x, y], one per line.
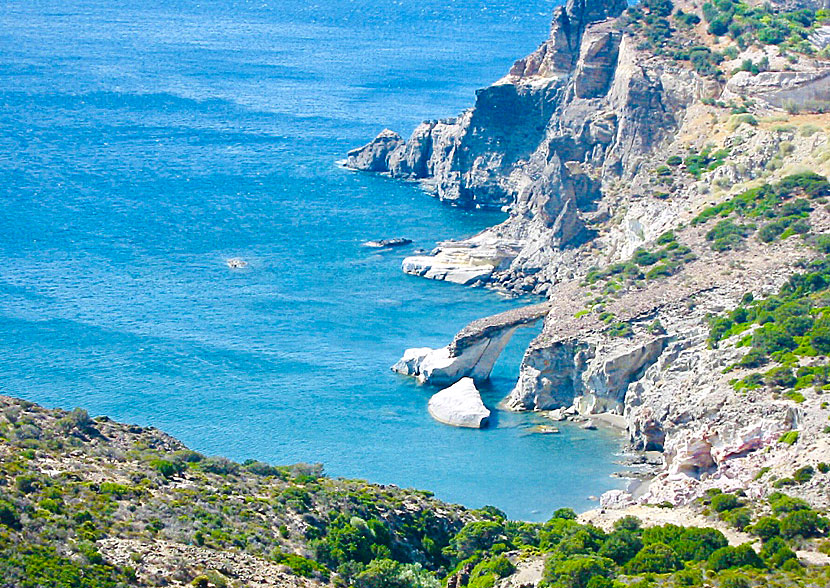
[143, 146]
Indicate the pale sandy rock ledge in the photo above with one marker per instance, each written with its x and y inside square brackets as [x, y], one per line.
[460, 405]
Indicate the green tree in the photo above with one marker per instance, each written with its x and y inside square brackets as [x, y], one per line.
[735, 557]
[8, 515]
[820, 335]
[477, 536]
[804, 523]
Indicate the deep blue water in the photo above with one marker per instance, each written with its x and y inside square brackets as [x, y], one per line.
[142, 143]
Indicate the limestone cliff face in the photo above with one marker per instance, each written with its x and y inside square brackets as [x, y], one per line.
[576, 142]
[581, 99]
[579, 114]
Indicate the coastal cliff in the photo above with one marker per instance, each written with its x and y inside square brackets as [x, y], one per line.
[664, 169]
[585, 109]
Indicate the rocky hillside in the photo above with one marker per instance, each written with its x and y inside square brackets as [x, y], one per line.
[664, 169]
[91, 503]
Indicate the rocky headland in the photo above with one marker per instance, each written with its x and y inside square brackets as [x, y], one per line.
[664, 169]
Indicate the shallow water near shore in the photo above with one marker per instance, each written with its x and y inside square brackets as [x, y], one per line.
[142, 144]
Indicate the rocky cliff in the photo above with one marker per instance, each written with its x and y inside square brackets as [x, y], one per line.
[661, 165]
[583, 110]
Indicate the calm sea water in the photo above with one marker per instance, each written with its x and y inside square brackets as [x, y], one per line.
[142, 143]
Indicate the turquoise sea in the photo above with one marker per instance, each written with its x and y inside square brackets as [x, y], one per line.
[144, 142]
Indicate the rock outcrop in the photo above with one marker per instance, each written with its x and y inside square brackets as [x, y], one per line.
[584, 110]
[473, 351]
[460, 405]
[782, 89]
[594, 376]
[598, 146]
[375, 156]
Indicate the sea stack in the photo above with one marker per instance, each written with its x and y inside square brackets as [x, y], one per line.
[460, 405]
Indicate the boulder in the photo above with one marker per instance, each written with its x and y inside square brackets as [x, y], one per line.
[460, 405]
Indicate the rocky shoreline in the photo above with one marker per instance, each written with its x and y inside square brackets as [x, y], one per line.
[610, 154]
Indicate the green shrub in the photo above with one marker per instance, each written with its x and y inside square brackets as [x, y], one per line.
[621, 546]
[27, 483]
[783, 482]
[735, 580]
[688, 577]
[726, 235]
[262, 469]
[780, 377]
[76, 421]
[628, 523]
[776, 552]
[643, 257]
[166, 468]
[219, 465]
[804, 474]
[8, 515]
[781, 503]
[659, 271]
[804, 523]
[115, 489]
[723, 502]
[738, 517]
[486, 572]
[771, 338]
[387, 573]
[620, 329]
[477, 536]
[657, 558]
[820, 335]
[734, 557]
[766, 528]
[576, 571]
[790, 437]
[697, 544]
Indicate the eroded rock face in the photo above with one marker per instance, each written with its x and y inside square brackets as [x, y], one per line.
[548, 377]
[570, 142]
[593, 374]
[460, 405]
[441, 367]
[782, 89]
[472, 352]
[581, 112]
[374, 157]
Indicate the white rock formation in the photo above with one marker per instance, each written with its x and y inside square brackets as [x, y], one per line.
[466, 263]
[473, 351]
[460, 405]
[781, 88]
[438, 366]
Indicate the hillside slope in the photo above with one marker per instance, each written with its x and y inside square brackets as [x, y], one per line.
[91, 503]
